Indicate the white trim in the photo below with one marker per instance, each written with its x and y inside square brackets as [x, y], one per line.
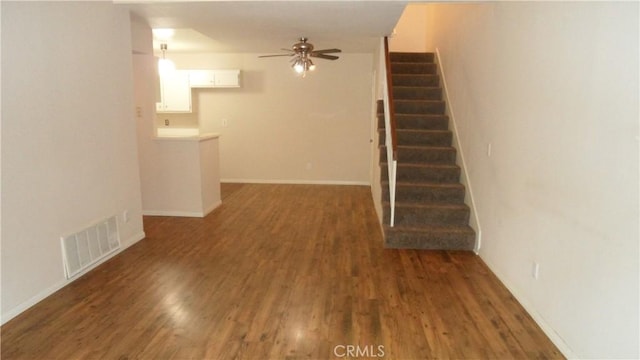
[49, 291]
[296, 182]
[199, 214]
[555, 338]
[463, 165]
[392, 164]
[173, 213]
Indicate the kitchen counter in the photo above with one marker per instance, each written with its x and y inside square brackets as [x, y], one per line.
[183, 134]
[200, 137]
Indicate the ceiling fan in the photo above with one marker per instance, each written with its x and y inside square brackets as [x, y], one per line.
[301, 53]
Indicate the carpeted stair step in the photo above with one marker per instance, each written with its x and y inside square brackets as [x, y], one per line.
[411, 57]
[429, 80]
[421, 121]
[417, 93]
[422, 154]
[418, 137]
[414, 214]
[441, 173]
[413, 68]
[418, 121]
[419, 107]
[425, 192]
[410, 137]
[452, 237]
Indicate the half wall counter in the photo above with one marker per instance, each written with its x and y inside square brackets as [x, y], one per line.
[186, 174]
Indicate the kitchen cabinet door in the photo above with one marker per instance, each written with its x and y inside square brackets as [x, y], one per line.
[202, 78]
[175, 92]
[214, 78]
[227, 78]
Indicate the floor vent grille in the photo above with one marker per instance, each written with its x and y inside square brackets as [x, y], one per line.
[84, 248]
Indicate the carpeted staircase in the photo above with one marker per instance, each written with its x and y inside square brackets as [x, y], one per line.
[430, 211]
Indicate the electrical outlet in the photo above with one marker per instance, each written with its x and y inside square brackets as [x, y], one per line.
[125, 216]
[489, 150]
[535, 270]
[166, 122]
[225, 122]
[138, 111]
[309, 166]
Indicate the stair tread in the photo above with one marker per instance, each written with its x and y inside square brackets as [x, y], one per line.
[419, 100]
[425, 165]
[424, 131]
[420, 115]
[412, 62]
[430, 204]
[406, 56]
[421, 147]
[412, 52]
[415, 87]
[409, 75]
[425, 184]
[427, 228]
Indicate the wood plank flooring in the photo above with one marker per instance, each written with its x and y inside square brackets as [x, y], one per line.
[279, 272]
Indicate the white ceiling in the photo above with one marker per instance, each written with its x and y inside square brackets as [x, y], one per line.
[267, 26]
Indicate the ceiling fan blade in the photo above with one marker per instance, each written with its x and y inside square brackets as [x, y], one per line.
[326, 51]
[323, 56]
[265, 56]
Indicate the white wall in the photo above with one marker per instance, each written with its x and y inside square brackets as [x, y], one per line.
[554, 88]
[283, 128]
[69, 153]
[408, 35]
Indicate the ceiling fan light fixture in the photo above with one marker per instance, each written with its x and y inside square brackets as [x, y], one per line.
[302, 64]
[301, 54]
[298, 66]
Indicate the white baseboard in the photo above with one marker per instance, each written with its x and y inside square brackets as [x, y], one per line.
[173, 213]
[296, 182]
[555, 338]
[199, 214]
[49, 291]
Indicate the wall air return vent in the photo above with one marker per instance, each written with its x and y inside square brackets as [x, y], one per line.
[86, 247]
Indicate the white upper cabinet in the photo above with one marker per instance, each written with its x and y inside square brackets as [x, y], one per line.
[201, 78]
[227, 78]
[175, 92]
[214, 78]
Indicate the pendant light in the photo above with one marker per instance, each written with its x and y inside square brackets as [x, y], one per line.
[165, 65]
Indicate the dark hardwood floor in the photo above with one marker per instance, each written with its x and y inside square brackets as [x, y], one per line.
[279, 272]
